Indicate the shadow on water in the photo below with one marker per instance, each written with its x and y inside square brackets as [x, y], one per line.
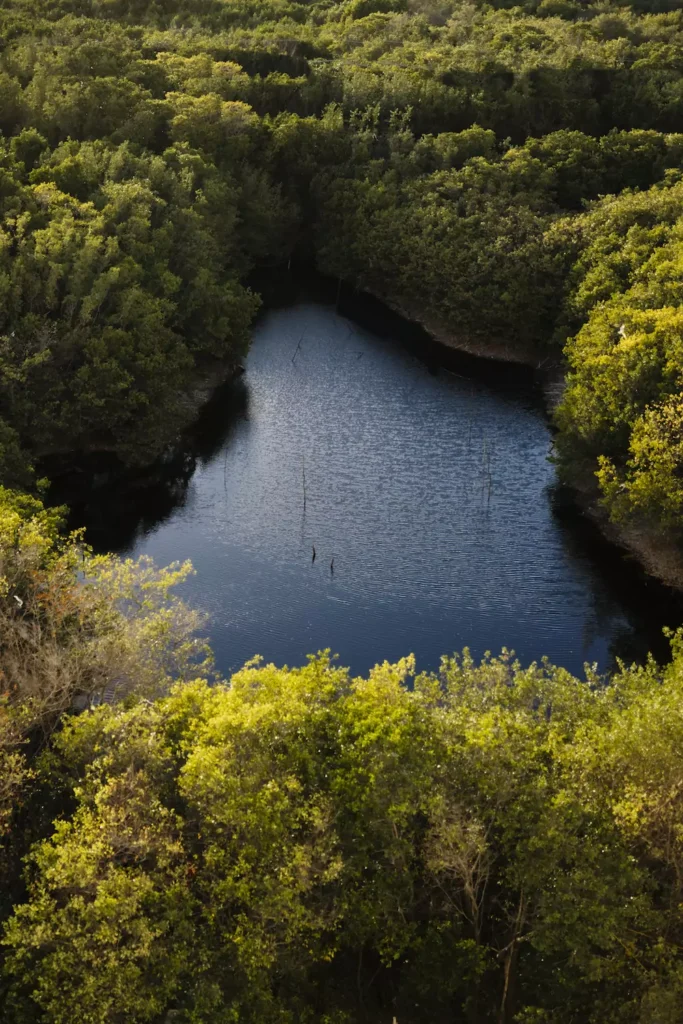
[118, 504]
[648, 606]
[536, 572]
[371, 314]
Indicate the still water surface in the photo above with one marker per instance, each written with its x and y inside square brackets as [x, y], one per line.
[428, 497]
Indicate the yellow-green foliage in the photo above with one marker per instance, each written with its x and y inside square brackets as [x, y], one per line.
[74, 627]
[490, 844]
[298, 841]
[621, 411]
[440, 154]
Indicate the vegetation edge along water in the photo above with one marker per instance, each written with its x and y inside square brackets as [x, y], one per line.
[124, 255]
[657, 551]
[494, 843]
[487, 843]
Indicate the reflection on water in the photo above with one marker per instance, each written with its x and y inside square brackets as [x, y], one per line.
[117, 506]
[427, 496]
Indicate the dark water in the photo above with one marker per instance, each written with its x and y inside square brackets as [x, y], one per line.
[429, 500]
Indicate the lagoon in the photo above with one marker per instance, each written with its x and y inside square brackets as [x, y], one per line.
[420, 480]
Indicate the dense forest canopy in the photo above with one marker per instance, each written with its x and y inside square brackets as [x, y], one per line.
[501, 171]
[492, 843]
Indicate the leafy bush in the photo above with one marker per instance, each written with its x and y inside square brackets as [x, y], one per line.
[494, 841]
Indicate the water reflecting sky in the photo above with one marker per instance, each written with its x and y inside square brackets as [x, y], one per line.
[428, 499]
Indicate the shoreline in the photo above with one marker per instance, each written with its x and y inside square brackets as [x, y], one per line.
[549, 367]
[658, 556]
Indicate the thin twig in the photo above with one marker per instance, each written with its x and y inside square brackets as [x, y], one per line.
[296, 350]
[303, 480]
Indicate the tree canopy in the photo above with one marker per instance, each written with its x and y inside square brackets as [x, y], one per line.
[494, 843]
[491, 843]
[498, 171]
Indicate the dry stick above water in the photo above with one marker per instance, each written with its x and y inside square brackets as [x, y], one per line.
[303, 479]
[296, 350]
[486, 465]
